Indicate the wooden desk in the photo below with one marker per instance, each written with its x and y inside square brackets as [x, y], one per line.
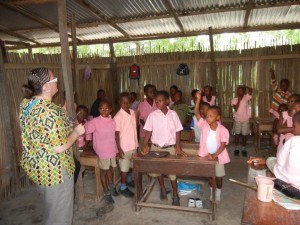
[263, 213]
[263, 127]
[89, 158]
[189, 166]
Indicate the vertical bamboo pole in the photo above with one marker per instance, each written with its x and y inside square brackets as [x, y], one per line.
[113, 69]
[68, 81]
[7, 122]
[74, 58]
[213, 66]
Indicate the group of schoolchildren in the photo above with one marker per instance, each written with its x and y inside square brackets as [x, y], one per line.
[161, 117]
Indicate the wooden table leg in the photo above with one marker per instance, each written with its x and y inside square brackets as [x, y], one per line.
[213, 198]
[138, 189]
[98, 182]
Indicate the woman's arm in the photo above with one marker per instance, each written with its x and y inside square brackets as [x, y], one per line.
[75, 134]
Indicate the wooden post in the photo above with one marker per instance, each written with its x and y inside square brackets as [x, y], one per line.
[74, 58]
[213, 66]
[68, 83]
[7, 118]
[113, 69]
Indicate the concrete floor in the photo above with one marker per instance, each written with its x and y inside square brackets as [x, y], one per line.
[26, 208]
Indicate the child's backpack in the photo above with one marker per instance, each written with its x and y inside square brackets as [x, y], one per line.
[183, 70]
[134, 72]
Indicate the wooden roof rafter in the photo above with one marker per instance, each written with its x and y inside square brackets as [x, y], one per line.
[32, 16]
[250, 6]
[170, 8]
[20, 36]
[100, 16]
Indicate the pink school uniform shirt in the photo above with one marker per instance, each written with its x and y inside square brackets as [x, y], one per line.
[287, 167]
[222, 135]
[144, 110]
[284, 137]
[126, 125]
[243, 113]
[103, 130]
[163, 127]
[212, 101]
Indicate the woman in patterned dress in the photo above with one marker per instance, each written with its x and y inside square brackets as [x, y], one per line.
[47, 137]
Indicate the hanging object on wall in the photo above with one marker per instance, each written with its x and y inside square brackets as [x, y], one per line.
[87, 73]
[134, 72]
[183, 70]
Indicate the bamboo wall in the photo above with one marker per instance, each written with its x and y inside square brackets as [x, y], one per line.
[249, 67]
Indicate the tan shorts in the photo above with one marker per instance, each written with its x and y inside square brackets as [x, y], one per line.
[105, 164]
[171, 150]
[126, 163]
[220, 170]
[241, 127]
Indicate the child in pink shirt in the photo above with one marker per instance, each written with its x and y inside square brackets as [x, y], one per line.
[241, 117]
[103, 129]
[286, 166]
[126, 138]
[213, 141]
[163, 126]
[144, 109]
[208, 97]
[285, 122]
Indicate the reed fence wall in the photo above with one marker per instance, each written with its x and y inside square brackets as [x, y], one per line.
[249, 67]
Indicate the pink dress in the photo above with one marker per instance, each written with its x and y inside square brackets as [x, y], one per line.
[222, 135]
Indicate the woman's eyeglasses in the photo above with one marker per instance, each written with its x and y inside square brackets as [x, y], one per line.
[52, 81]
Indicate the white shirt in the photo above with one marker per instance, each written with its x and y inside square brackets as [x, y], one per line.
[211, 142]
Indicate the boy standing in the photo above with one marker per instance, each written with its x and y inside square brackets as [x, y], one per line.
[241, 116]
[126, 139]
[163, 126]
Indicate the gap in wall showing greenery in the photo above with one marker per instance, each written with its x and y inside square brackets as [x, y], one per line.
[222, 42]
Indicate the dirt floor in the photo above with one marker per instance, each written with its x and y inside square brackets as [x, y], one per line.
[26, 208]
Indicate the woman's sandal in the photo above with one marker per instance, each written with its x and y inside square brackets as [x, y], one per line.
[176, 201]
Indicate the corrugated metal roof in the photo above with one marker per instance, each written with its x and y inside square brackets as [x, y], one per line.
[215, 20]
[278, 15]
[99, 32]
[149, 27]
[148, 18]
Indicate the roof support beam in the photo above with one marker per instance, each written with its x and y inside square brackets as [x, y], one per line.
[100, 16]
[33, 2]
[17, 43]
[175, 35]
[32, 16]
[20, 36]
[170, 8]
[250, 6]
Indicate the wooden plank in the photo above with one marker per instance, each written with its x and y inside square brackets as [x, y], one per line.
[174, 207]
[32, 2]
[7, 120]
[53, 66]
